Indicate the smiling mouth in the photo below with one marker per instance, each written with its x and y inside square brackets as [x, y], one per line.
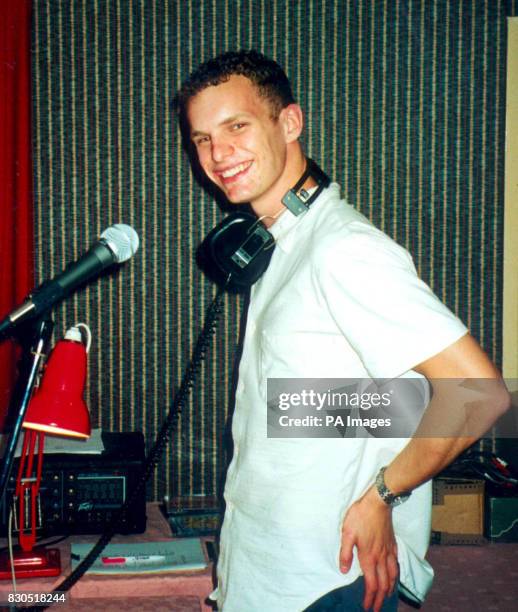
[232, 174]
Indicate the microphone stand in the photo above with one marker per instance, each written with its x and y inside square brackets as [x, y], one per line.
[34, 342]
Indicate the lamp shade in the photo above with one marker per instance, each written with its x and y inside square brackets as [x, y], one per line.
[58, 407]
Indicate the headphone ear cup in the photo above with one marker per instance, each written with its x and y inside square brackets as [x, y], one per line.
[236, 252]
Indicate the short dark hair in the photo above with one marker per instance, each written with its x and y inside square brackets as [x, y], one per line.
[269, 78]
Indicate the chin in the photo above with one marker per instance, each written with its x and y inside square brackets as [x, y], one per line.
[237, 198]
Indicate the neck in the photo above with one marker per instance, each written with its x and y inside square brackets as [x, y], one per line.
[270, 205]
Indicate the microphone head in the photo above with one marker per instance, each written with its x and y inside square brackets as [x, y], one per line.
[122, 240]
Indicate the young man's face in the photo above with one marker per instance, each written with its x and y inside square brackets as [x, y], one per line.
[240, 147]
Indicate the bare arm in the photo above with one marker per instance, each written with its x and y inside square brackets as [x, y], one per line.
[368, 523]
[424, 456]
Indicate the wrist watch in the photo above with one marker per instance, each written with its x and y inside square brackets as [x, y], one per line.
[391, 499]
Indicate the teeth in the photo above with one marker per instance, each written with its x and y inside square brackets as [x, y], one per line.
[235, 170]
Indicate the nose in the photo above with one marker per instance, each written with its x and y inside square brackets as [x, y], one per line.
[221, 148]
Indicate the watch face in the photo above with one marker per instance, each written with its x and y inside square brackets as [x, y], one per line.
[399, 499]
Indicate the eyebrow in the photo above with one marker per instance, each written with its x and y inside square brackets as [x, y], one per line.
[224, 122]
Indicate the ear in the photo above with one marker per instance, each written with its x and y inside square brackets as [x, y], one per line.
[292, 121]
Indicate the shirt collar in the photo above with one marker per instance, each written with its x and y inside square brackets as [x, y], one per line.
[282, 229]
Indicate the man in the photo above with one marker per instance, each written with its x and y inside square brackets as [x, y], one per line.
[309, 523]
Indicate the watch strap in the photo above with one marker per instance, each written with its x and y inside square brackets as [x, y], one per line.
[390, 498]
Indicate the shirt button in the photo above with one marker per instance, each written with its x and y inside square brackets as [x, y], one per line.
[252, 327]
[240, 387]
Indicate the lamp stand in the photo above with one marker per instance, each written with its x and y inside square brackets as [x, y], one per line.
[34, 345]
[29, 562]
[39, 562]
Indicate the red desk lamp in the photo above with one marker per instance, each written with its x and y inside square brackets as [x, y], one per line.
[56, 408]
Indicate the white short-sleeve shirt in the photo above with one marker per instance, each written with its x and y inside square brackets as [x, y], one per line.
[340, 299]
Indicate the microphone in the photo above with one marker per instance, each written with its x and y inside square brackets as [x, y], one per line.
[116, 244]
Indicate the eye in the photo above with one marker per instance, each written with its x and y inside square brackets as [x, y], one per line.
[238, 126]
[199, 140]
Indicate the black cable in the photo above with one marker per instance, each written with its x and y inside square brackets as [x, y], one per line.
[198, 355]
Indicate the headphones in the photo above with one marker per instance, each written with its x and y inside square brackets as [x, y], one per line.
[236, 253]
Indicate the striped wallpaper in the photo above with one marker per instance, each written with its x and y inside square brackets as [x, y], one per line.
[405, 108]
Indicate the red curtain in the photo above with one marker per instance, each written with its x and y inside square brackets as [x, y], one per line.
[16, 238]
